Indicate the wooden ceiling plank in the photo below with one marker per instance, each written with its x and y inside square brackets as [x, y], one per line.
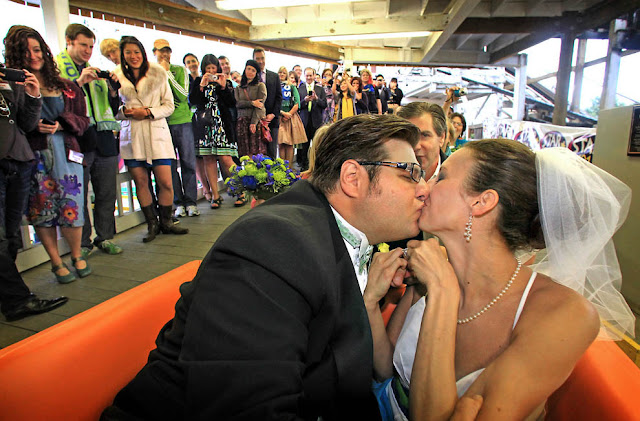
[459, 11]
[433, 22]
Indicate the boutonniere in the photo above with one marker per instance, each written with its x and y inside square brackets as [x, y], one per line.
[383, 247]
[69, 93]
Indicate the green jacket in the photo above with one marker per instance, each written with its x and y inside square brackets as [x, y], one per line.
[179, 83]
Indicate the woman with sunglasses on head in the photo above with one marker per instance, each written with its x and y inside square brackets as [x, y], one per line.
[212, 94]
[145, 140]
[480, 321]
[360, 97]
[56, 197]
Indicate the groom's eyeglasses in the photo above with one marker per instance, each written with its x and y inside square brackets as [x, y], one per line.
[416, 171]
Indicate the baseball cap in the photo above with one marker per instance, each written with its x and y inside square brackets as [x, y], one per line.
[159, 44]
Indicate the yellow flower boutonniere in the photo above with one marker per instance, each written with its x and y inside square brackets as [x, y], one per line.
[383, 247]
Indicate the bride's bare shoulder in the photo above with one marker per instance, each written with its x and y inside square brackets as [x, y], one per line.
[557, 304]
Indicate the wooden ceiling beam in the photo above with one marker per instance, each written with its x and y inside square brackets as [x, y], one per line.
[172, 17]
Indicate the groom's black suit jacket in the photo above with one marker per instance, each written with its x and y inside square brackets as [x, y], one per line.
[273, 326]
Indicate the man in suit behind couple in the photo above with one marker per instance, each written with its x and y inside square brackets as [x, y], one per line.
[273, 326]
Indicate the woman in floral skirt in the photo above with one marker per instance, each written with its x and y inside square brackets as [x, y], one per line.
[213, 96]
[57, 193]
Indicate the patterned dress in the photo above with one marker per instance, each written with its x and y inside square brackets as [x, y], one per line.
[57, 193]
[214, 140]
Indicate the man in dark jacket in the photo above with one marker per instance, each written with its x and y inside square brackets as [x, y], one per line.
[20, 106]
[274, 326]
[273, 102]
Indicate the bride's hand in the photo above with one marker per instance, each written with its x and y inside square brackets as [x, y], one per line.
[387, 269]
[430, 267]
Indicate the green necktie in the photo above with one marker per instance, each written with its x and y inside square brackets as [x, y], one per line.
[310, 92]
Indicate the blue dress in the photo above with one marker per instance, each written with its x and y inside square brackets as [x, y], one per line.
[57, 193]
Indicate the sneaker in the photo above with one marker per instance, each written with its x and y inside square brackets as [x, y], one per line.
[180, 212]
[85, 252]
[109, 248]
[192, 210]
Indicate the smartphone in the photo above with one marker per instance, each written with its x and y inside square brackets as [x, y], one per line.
[49, 122]
[103, 74]
[13, 75]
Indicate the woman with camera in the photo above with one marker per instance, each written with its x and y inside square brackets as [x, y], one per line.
[212, 94]
[56, 197]
[145, 141]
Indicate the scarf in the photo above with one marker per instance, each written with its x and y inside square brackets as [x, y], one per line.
[100, 114]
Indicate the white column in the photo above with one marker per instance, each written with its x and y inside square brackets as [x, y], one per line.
[612, 68]
[520, 88]
[348, 61]
[577, 80]
[56, 20]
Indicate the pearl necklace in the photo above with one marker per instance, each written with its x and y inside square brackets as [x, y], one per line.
[495, 300]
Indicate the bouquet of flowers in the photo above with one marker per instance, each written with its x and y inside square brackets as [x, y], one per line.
[260, 176]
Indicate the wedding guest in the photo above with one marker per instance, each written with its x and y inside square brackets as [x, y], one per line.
[305, 349]
[395, 100]
[185, 188]
[192, 64]
[20, 107]
[110, 49]
[56, 196]
[213, 96]
[236, 77]
[291, 127]
[488, 319]
[344, 99]
[460, 125]
[298, 71]
[327, 84]
[373, 97]
[383, 93]
[98, 143]
[250, 97]
[272, 102]
[312, 105]
[360, 97]
[145, 141]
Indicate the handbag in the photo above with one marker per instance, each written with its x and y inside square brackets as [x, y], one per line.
[265, 131]
[202, 120]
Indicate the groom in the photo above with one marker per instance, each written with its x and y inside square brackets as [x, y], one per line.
[273, 326]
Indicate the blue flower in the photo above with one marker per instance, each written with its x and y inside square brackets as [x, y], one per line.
[250, 182]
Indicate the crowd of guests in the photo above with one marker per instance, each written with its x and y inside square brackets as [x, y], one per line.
[198, 116]
[311, 338]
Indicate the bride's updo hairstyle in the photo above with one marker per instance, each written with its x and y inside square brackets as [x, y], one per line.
[509, 168]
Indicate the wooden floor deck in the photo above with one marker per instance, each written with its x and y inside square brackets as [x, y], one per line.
[112, 275]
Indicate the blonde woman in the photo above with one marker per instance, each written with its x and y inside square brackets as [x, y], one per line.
[291, 130]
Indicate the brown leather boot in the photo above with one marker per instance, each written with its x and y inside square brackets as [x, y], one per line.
[153, 228]
[166, 223]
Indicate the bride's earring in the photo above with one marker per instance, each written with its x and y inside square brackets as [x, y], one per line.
[467, 228]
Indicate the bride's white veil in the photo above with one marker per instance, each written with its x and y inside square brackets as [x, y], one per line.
[581, 207]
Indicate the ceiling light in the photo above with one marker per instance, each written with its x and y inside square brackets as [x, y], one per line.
[371, 36]
[262, 4]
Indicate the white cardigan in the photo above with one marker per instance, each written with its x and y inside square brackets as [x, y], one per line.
[149, 139]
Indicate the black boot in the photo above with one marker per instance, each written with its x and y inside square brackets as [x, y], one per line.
[166, 224]
[153, 228]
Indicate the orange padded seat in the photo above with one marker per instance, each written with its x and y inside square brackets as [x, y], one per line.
[73, 370]
[604, 385]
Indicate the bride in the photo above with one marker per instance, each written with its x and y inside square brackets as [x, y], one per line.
[481, 322]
